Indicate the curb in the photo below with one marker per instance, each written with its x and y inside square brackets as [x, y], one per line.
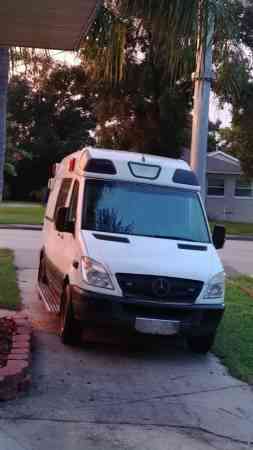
[14, 376]
[229, 237]
[234, 237]
[21, 227]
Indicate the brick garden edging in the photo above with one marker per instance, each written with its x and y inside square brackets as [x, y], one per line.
[14, 376]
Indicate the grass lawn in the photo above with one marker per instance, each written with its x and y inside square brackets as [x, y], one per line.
[9, 292]
[234, 342]
[25, 215]
[236, 228]
[33, 214]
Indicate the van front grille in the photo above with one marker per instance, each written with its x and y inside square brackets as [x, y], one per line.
[154, 288]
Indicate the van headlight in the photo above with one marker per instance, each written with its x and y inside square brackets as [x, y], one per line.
[215, 287]
[95, 274]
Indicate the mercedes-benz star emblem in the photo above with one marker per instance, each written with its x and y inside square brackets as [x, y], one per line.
[161, 287]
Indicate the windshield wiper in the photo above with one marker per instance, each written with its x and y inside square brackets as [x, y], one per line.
[174, 238]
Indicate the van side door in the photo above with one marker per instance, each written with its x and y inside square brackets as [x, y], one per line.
[54, 245]
[69, 241]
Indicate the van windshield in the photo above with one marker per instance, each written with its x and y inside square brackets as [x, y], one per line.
[140, 209]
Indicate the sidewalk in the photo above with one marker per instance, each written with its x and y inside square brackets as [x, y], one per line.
[8, 443]
[238, 237]
[20, 227]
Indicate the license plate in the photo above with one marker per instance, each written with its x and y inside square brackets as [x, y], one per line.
[157, 326]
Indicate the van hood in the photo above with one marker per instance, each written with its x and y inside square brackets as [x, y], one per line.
[153, 256]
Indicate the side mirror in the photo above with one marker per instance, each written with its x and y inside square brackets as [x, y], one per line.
[219, 236]
[62, 224]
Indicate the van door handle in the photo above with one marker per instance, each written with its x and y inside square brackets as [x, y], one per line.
[60, 235]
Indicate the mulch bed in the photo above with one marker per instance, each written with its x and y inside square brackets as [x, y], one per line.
[7, 329]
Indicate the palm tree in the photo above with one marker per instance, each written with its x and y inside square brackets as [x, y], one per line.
[175, 27]
[178, 31]
[4, 75]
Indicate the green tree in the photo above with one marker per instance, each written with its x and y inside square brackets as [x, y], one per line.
[4, 74]
[33, 61]
[49, 122]
[14, 154]
[141, 110]
[142, 55]
[144, 113]
[171, 25]
[238, 140]
[213, 135]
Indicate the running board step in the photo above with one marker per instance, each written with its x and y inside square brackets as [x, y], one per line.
[49, 300]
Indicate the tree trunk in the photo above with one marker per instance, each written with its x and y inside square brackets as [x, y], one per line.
[4, 73]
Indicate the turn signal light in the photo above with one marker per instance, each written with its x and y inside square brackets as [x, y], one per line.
[72, 164]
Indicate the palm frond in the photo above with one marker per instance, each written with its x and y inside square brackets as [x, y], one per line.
[104, 48]
[175, 29]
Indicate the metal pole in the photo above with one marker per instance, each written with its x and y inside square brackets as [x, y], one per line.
[202, 78]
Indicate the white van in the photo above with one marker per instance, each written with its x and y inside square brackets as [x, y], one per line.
[126, 244]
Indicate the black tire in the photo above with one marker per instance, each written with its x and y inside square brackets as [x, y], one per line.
[69, 327]
[201, 344]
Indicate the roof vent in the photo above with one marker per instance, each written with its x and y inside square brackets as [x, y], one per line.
[104, 166]
[146, 171]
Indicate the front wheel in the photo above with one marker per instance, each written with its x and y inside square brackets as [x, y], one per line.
[201, 344]
[69, 327]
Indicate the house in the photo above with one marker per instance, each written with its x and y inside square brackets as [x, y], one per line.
[229, 194]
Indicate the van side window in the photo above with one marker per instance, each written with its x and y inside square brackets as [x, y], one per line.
[73, 202]
[63, 195]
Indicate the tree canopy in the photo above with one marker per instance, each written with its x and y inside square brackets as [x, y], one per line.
[238, 140]
[146, 73]
[47, 122]
[132, 90]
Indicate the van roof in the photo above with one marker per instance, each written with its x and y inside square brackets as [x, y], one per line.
[128, 166]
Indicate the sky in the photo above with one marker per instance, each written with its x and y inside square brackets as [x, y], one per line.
[216, 113]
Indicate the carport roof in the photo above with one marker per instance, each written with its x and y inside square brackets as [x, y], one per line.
[55, 24]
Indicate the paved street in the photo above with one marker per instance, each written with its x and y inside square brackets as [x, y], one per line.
[237, 257]
[106, 397]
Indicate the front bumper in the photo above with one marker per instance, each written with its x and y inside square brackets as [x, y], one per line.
[108, 310]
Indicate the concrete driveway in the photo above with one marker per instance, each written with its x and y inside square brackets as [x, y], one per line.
[108, 397]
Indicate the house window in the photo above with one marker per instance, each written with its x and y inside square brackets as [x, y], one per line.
[215, 186]
[243, 187]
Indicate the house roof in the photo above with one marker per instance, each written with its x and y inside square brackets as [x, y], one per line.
[56, 24]
[218, 162]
